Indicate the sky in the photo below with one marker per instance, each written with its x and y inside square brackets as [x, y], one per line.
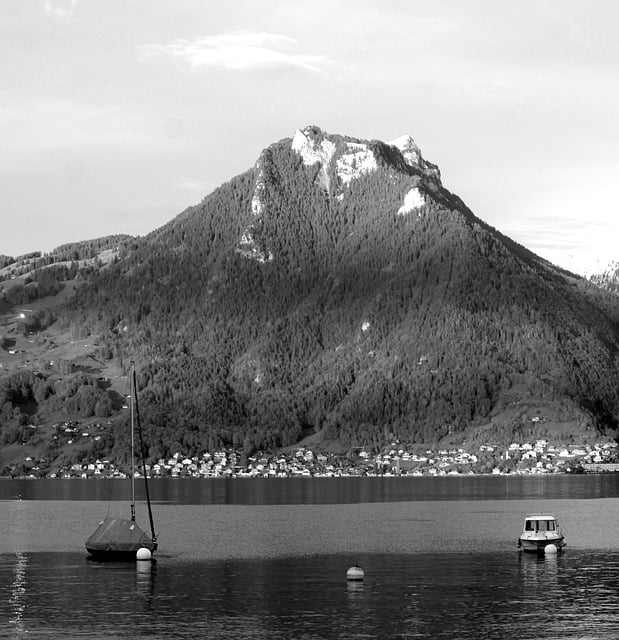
[115, 116]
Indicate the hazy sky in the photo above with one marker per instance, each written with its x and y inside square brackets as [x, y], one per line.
[115, 115]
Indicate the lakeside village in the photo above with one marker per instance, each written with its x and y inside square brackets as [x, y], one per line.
[539, 457]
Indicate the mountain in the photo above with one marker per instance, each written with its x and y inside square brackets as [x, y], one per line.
[336, 289]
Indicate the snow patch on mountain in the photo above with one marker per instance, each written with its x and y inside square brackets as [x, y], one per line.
[411, 154]
[353, 158]
[312, 146]
[356, 160]
[257, 206]
[408, 148]
[248, 248]
[414, 199]
[257, 203]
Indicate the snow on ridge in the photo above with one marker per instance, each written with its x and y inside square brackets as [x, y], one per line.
[355, 161]
[257, 204]
[311, 144]
[408, 148]
[310, 150]
[412, 200]
[413, 158]
[247, 246]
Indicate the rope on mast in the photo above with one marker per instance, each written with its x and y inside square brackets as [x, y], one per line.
[143, 456]
[133, 400]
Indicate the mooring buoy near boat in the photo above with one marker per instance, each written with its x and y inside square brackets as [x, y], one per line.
[550, 549]
[355, 574]
[143, 554]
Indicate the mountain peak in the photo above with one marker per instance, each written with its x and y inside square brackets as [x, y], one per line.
[342, 161]
[313, 145]
[355, 157]
[408, 148]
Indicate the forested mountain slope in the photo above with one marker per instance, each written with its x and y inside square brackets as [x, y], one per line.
[338, 287]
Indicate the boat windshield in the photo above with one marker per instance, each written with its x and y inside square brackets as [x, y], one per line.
[540, 525]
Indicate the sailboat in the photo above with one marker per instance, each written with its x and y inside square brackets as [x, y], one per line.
[121, 538]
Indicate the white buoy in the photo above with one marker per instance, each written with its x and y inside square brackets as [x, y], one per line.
[143, 554]
[550, 549]
[355, 573]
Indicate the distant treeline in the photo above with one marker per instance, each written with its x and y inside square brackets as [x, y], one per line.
[75, 251]
[42, 276]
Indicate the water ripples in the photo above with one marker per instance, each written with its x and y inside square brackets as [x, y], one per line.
[455, 596]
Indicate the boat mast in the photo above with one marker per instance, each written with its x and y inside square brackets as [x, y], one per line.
[143, 457]
[132, 399]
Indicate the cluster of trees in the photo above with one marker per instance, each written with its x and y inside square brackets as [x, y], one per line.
[25, 396]
[6, 261]
[366, 323]
[42, 282]
[39, 284]
[86, 249]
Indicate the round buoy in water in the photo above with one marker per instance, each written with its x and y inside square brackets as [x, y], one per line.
[143, 554]
[355, 573]
[550, 549]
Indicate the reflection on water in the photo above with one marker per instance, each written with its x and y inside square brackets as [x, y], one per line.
[18, 592]
[540, 571]
[456, 596]
[319, 490]
[354, 589]
[145, 584]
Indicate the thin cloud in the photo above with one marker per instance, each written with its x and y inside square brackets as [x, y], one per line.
[552, 232]
[62, 9]
[191, 184]
[237, 52]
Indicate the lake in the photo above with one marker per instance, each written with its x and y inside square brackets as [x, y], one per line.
[246, 559]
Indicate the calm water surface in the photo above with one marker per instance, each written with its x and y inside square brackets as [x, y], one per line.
[443, 564]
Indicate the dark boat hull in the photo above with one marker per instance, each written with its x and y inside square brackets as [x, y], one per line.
[118, 539]
[536, 545]
[112, 555]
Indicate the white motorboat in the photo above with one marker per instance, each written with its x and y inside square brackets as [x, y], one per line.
[540, 530]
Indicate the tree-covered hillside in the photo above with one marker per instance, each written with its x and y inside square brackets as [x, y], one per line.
[297, 299]
[287, 303]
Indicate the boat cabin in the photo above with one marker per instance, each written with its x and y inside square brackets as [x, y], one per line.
[541, 523]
